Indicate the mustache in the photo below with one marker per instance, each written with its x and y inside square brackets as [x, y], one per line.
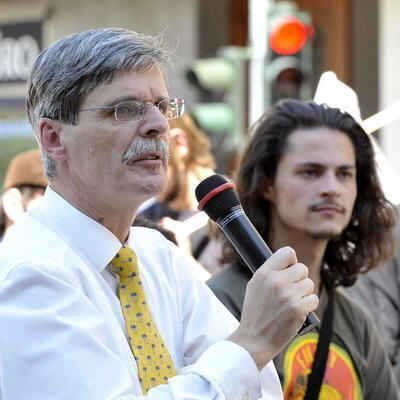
[332, 204]
[141, 146]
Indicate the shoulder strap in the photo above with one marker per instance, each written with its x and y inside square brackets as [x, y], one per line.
[321, 354]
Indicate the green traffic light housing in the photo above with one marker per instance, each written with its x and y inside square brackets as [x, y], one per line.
[211, 74]
[222, 80]
[214, 117]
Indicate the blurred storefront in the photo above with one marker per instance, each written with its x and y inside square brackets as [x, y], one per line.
[357, 39]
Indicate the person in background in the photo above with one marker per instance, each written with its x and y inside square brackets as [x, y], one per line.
[24, 186]
[378, 291]
[308, 179]
[191, 161]
[92, 308]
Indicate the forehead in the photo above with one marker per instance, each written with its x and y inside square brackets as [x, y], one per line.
[320, 145]
[146, 85]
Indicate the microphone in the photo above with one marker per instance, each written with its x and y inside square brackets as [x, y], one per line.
[218, 200]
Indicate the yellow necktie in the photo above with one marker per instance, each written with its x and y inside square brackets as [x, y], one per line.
[153, 360]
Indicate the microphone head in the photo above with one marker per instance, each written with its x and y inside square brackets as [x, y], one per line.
[216, 196]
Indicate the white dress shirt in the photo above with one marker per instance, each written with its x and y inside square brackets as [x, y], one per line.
[62, 332]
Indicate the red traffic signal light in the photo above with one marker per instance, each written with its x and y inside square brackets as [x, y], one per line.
[288, 35]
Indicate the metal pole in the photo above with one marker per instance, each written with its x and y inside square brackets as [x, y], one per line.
[258, 41]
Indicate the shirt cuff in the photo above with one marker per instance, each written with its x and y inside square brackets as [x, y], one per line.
[230, 369]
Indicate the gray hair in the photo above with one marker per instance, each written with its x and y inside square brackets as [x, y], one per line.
[65, 73]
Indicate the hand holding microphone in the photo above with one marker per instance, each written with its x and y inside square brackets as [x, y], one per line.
[280, 295]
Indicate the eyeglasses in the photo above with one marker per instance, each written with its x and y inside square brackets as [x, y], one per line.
[133, 110]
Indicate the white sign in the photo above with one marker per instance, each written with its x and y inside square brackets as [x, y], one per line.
[17, 56]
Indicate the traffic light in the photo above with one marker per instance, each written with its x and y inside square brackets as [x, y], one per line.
[289, 60]
[222, 81]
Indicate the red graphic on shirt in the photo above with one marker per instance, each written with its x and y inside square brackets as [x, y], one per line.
[340, 381]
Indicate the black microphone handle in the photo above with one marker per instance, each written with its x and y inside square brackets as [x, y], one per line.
[245, 239]
[252, 248]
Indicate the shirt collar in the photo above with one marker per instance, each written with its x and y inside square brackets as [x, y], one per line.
[90, 238]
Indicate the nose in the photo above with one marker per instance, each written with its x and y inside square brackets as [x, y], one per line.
[154, 124]
[330, 186]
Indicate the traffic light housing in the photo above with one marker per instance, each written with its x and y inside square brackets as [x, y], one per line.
[289, 60]
[222, 81]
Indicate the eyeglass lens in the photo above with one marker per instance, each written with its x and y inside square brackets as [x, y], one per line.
[132, 110]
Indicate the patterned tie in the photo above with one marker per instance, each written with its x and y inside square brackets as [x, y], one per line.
[153, 360]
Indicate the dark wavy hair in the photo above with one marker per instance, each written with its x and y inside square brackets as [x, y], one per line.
[368, 239]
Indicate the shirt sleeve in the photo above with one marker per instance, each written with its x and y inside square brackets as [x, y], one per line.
[207, 323]
[53, 345]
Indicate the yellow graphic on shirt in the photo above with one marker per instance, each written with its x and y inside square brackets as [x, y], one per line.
[340, 381]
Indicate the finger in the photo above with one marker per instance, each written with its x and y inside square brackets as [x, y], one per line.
[305, 305]
[303, 287]
[281, 259]
[295, 272]
[309, 303]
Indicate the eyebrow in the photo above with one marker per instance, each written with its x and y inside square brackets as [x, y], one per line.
[311, 164]
[135, 98]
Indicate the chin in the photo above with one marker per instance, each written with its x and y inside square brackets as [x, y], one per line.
[153, 185]
[325, 233]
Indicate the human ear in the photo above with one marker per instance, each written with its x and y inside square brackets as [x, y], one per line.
[267, 190]
[50, 138]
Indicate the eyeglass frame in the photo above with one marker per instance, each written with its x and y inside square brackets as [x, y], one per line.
[144, 104]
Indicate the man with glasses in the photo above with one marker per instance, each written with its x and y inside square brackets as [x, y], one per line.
[91, 308]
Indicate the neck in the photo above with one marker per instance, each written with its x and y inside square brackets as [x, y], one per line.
[114, 214]
[309, 251]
